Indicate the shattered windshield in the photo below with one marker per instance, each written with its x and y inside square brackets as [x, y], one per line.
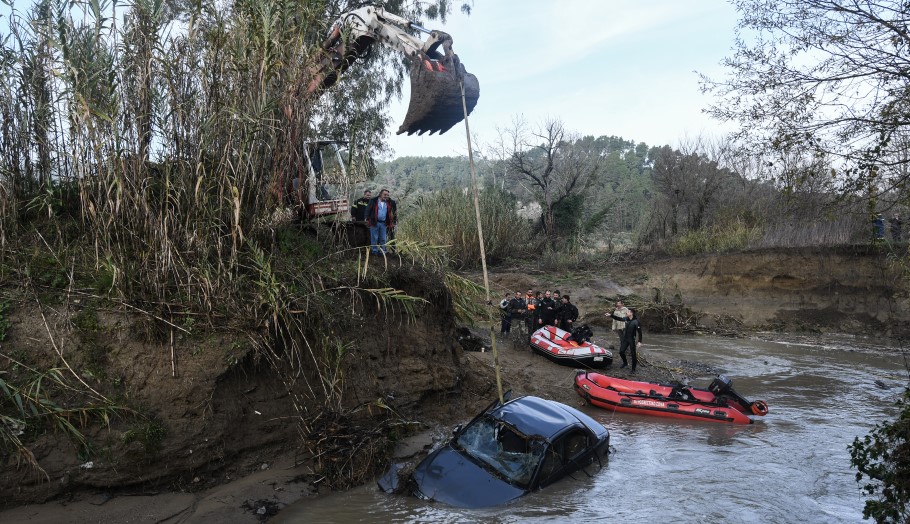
[494, 443]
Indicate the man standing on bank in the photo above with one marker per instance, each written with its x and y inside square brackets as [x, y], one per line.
[547, 308]
[633, 328]
[531, 314]
[380, 217]
[619, 326]
[567, 314]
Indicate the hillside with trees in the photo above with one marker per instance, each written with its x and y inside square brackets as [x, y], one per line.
[604, 194]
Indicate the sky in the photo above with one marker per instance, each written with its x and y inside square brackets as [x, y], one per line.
[603, 67]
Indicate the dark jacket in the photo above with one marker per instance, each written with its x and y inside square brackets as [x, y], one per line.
[391, 217]
[518, 307]
[359, 209]
[566, 312]
[632, 328]
[547, 310]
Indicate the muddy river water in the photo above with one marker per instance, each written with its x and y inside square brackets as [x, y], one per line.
[790, 466]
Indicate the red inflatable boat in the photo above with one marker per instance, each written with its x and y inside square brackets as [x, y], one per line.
[718, 403]
[558, 346]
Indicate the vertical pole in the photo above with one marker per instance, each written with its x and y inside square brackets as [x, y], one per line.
[173, 356]
[483, 253]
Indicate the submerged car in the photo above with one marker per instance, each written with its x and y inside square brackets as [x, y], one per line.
[509, 450]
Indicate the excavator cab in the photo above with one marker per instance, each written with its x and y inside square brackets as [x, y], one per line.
[320, 179]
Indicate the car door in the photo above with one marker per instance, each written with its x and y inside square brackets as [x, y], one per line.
[569, 452]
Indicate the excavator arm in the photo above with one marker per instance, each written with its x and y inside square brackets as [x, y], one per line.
[436, 76]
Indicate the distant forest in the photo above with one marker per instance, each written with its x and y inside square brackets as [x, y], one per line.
[614, 201]
[587, 193]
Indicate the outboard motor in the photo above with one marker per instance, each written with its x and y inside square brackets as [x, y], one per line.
[721, 385]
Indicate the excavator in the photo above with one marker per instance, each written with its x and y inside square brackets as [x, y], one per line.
[438, 81]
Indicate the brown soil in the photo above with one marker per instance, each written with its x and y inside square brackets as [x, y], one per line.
[854, 289]
[231, 448]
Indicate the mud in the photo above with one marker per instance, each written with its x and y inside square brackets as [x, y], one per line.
[852, 289]
[225, 414]
[231, 439]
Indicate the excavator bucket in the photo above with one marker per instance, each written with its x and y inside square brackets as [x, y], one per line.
[436, 103]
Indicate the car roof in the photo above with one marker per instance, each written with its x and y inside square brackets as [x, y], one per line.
[537, 416]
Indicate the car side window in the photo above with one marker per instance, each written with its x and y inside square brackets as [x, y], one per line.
[575, 444]
[565, 449]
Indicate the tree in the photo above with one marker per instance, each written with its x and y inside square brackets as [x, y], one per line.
[828, 77]
[884, 457]
[552, 163]
[690, 181]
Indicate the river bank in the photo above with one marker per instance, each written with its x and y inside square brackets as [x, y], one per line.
[277, 480]
[230, 451]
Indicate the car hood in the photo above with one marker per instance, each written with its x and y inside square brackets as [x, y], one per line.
[448, 476]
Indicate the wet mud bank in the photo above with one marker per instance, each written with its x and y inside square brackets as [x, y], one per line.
[861, 290]
[229, 446]
[214, 412]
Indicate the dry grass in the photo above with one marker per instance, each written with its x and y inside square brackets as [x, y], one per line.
[447, 219]
[143, 156]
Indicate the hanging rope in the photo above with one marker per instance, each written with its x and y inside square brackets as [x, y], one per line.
[483, 253]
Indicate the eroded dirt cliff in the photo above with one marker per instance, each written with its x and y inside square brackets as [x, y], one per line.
[212, 410]
[224, 414]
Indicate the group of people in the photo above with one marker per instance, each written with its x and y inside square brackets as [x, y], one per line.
[546, 308]
[895, 224]
[538, 309]
[381, 214]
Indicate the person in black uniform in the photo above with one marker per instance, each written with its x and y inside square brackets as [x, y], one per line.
[557, 299]
[505, 312]
[547, 311]
[394, 227]
[519, 307]
[567, 314]
[633, 328]
[359, 209]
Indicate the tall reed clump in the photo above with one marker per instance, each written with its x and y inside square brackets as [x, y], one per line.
[447, 218]
[719, 238]
[145, 153]
[167, 135]
[823, 231]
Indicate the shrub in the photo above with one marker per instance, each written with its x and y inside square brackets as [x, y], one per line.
[447, 218]
[722, 238]
[884, 457]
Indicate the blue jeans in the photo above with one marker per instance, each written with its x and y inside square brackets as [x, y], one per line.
[378, 237]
